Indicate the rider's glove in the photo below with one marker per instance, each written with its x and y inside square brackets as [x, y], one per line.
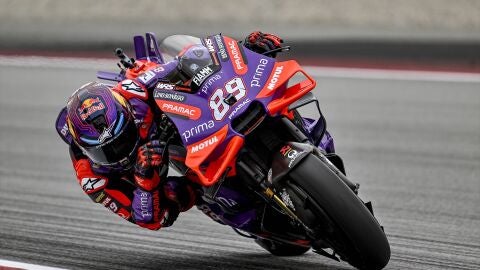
[262, 42]
[149, 159]
[151, 211]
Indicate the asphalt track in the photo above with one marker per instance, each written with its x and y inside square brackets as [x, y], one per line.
[414, 145]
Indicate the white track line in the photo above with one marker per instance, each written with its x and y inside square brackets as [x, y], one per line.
[330, 72]
[26, 266]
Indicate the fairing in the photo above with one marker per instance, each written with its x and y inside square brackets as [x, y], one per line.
[235, 71]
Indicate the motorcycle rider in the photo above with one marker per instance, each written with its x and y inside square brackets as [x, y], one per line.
[118, 145]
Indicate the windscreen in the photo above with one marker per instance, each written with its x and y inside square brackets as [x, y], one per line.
[195, 63]
[172, 46]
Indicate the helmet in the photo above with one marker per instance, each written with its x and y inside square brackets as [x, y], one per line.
[102, 125]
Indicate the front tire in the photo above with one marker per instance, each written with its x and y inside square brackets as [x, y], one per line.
[352, 231]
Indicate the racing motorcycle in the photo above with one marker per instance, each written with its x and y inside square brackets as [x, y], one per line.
[262, 167]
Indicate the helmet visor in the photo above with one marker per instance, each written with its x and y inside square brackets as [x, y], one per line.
[121, 149]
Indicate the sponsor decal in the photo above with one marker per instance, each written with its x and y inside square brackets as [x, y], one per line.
[201, 128]
[146, 77]
[207, 84]
[286, 199]
[209, 142]
[285, 150]
[130, 85]
[165, 86]
[274, 79]
[234, 112]
[106, 201]
[90, 185]
[200, 76]
[133, 87]
[107, 133]
[90, 106]
[221, 48]
[236, 56]
[255, 82]
[64, 130]
[293, 157]
[145, 205]
[290, 153]
[100, 197]
[180, 109]
[209, 45]
[173, 96]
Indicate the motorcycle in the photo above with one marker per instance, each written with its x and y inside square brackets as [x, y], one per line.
[263, 168]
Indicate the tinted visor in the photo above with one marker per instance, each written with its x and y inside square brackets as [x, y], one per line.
[121, 149]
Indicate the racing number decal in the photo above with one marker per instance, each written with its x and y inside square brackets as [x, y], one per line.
[217, 104]
[236, 87]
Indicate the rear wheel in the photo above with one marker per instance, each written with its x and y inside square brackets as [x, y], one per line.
[338, 217]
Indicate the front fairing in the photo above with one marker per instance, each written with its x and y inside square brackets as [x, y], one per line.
[204, 118]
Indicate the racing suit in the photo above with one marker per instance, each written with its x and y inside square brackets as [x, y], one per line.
[150, 204]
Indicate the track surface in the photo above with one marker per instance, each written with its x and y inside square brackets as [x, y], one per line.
[413, 145]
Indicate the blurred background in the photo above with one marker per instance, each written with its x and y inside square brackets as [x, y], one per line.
[425, 31]
[398, 82]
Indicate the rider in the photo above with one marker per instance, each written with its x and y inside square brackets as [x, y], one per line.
[118, 146]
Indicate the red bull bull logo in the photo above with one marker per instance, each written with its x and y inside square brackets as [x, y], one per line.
[89, 106]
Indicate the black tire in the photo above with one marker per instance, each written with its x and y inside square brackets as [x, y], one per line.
[281, 249]
[354, 232]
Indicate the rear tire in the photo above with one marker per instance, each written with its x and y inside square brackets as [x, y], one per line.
[281, 249]
[353, 232]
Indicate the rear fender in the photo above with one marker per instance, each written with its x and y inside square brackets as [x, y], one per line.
[289, 156]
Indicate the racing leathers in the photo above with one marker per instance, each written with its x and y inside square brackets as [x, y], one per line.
[142, 194]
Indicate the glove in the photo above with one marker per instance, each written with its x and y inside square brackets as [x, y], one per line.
[149, 159]
[179, 191]
[260, 43]
[149, 212]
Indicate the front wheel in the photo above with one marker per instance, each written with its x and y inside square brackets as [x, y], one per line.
[338, 216]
